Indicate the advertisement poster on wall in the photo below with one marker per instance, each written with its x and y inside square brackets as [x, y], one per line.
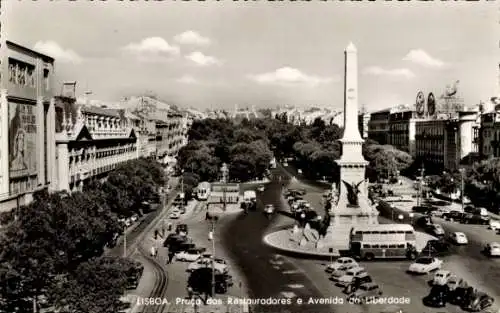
[22, 140]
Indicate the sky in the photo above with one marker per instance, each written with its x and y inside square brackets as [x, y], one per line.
[218, 54]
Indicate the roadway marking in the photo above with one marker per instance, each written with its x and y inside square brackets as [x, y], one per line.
[289, 272]
[288, 294]
[295, 286]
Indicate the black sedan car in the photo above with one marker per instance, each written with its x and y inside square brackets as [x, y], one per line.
[478, 302]
[437, 298]
[436, 246]
[453, 216]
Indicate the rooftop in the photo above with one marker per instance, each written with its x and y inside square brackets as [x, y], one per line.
[20, 47]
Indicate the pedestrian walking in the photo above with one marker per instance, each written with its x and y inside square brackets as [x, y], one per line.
[170, 257]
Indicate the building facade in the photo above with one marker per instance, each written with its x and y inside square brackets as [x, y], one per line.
[363, 120]
[145, 129]
[378, 126]
[171, 132]
[447, 144]
[90, 142]
[27, 124]
[402, 131]
[490, 135]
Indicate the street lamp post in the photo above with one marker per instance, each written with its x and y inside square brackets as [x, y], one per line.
[462, 187]
[124, 240]
[420, 185]
[211, 237]
[224, 171]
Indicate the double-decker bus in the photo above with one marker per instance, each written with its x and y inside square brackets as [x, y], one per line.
[203, 191]
[383, 241]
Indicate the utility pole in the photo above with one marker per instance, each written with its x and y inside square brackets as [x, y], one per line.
[462, 187]
[182, 190]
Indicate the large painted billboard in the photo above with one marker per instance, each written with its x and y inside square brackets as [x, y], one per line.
[22, 140]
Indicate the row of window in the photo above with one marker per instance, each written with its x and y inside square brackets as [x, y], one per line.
[377, 246]
[433, 131]
[383, 232]
[102, 154]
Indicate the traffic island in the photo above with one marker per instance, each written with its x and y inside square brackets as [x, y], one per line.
[284, 241]
[287, 241]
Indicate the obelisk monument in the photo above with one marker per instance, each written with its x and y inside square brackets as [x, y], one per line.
[351, 207]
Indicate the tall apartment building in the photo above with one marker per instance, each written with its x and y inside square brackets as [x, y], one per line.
[378, 126]
[27, 124]
[446, 144]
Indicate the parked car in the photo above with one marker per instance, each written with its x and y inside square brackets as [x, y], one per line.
[424, 265]
[340, 271]
[494, 225]
[453, 215]
[200, 280]
[469, 209]
[173, 239]
[437, 230]
[424, 209]
[175, 215]
[134, 276]
[455, 282]
[364, 292]
[339, 263]
[470, 218]
[459, 295]
[441, 277]
[182, 229]
[492, 249]
[458, 238]
[435, 246]
[134, 218]
[190, 255]
[349, 276]
[200, 263]
[478, 302]
[357, 282]
[437, 297]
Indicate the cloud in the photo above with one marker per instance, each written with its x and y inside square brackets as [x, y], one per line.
[421, 57]
[151, 48]
[51, 48]
[289, 76]
[398, 72]
[202, 60]
[187, 79]
[192, 38]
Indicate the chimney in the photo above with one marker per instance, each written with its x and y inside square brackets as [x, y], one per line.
[69, 90]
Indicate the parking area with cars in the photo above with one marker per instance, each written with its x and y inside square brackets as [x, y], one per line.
[188, 254]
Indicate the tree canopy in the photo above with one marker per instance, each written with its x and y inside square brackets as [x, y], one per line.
[55, 246]
[212, 142]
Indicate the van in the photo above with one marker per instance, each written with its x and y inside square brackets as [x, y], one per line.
[482, 211]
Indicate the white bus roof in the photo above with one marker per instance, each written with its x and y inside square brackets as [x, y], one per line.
[379, 227]
[204, 184]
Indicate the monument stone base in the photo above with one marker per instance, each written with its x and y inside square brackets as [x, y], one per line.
[339, 231]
